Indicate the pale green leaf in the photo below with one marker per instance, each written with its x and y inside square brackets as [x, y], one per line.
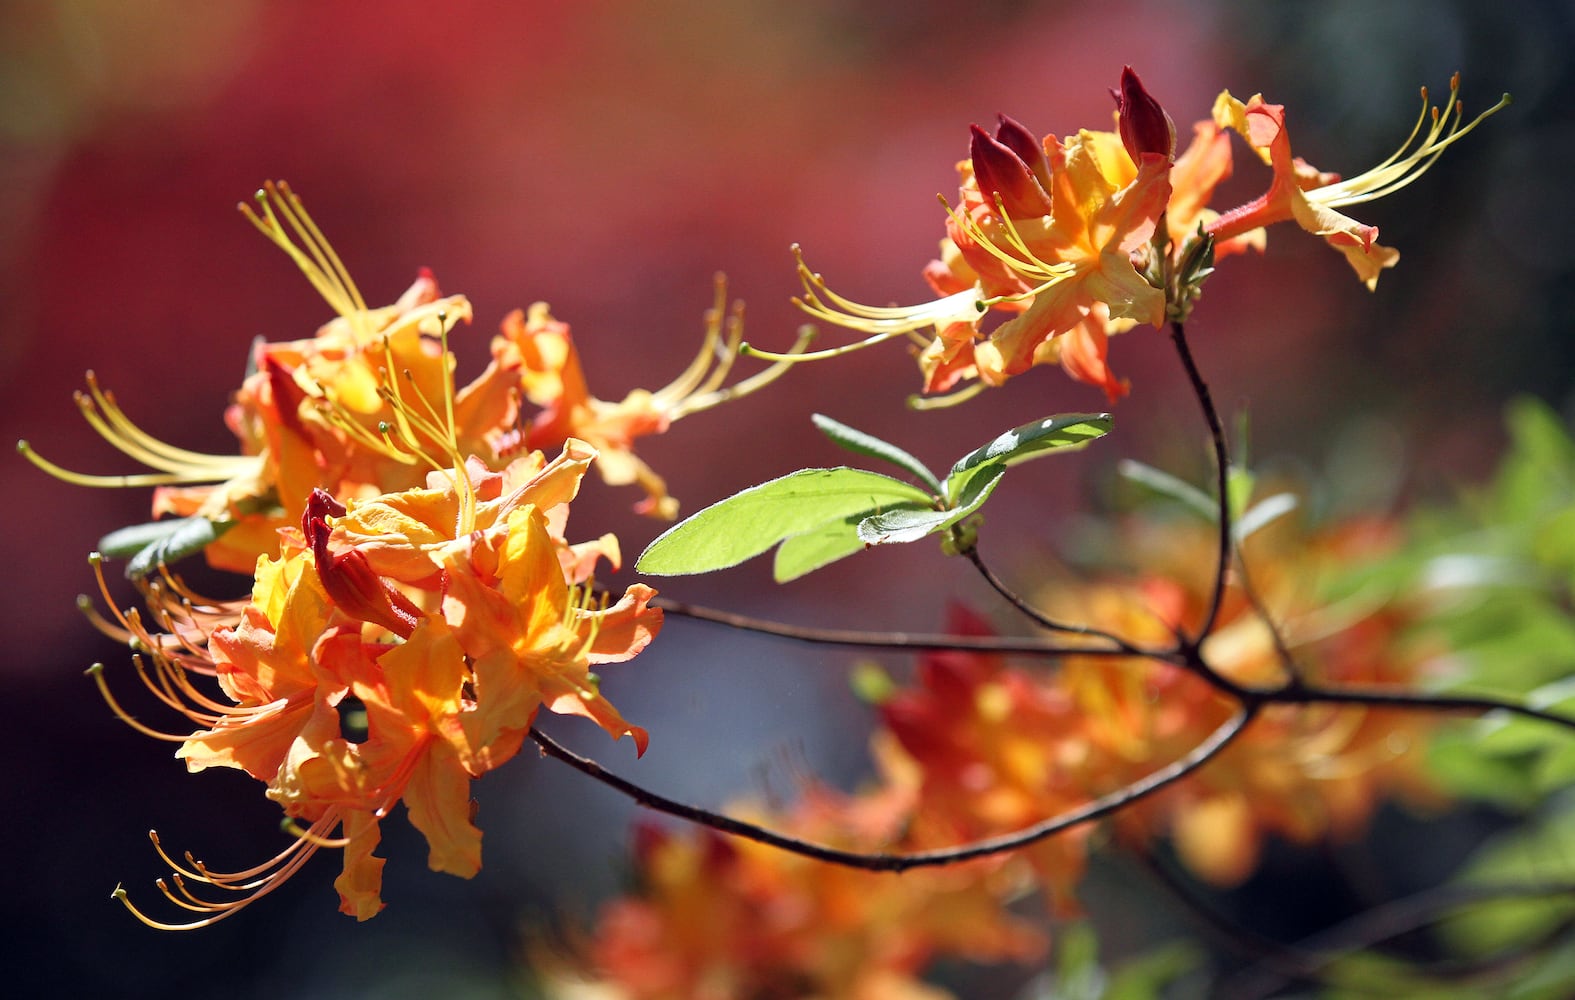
[1262, 513]
[748, 523]
[861, 443]
[130, 540]
[162, 542]
[1168, 486]
[910, 525]
[801, 554]
[1066, 432]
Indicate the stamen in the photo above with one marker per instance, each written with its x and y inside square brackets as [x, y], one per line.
[791, 358]
[1029, 265]
[318, 263]
[258, 881]
[96, 671]
[1399, 170]
[755, 382]
[962, 395]
[116, 482]
[294, 829]
[690, 379]
[128, 432]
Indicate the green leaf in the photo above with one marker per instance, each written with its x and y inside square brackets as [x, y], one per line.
[1264, 512]
[1066, 432]
[185, 536]
[1238, 486]
[748, 523]
[871, 683]
[1148, 976]
[822, 546]
[1531, 853]
[1168, 486]
[909, 525]
[861, 443]
[130, 540]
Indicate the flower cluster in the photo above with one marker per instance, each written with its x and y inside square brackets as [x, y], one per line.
[1071, 240]
[717, 919]
[976, 747]
[415, 602]
[1001, 748]
[318, 413]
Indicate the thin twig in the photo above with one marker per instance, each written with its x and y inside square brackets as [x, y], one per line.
[1039, 618]
[1188, 658]
[1382, 923]
[881, 861]
[1200, 389]
[1293, 672]
[911, 641]
[1442, 701]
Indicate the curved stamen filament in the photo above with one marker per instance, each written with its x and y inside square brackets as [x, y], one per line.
[962, 395]
[258, 881]
[693, 378]
[1029, 265]
[830, 352]
[96, 671]
[105, 416]
[128, 481]
[317, 262]
[1399, 170]
[713, 397]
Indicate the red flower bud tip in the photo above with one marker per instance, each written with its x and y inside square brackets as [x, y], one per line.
[287, 395]
[1143, 124]
[1001, 172]
[1013, 135]
[348, 577]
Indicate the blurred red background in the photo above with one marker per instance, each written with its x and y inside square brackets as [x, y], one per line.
[608, 157]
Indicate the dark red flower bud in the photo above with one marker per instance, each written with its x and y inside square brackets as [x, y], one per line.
[1000, 171]
[348, 577]
[1014, 136]
[1143, 124]
[287, 395]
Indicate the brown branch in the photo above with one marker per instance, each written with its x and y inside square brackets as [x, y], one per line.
[1200, 389]
[1038, 617]
[910, 641]
[1380, 924]
[1296, 694]
[1187, 657]
[881, 861]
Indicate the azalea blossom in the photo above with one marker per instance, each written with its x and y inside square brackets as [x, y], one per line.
[399, 647]
[541, 349]
[714, 919]
[1066, 242]
[1311, 198]
[315, 413]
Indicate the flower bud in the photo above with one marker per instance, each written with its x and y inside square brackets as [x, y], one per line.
[1001, 172]
[348, 577]
[1143, 124]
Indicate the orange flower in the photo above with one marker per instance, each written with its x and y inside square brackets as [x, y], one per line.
[716, 919]
[433, 623]
[541, 350]
[1303, 773]
[1052, 234]
[309, 415]
[1059, 237]
[993, 751]
[1300, 192]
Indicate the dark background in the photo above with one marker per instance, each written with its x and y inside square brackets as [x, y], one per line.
[609, 157]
